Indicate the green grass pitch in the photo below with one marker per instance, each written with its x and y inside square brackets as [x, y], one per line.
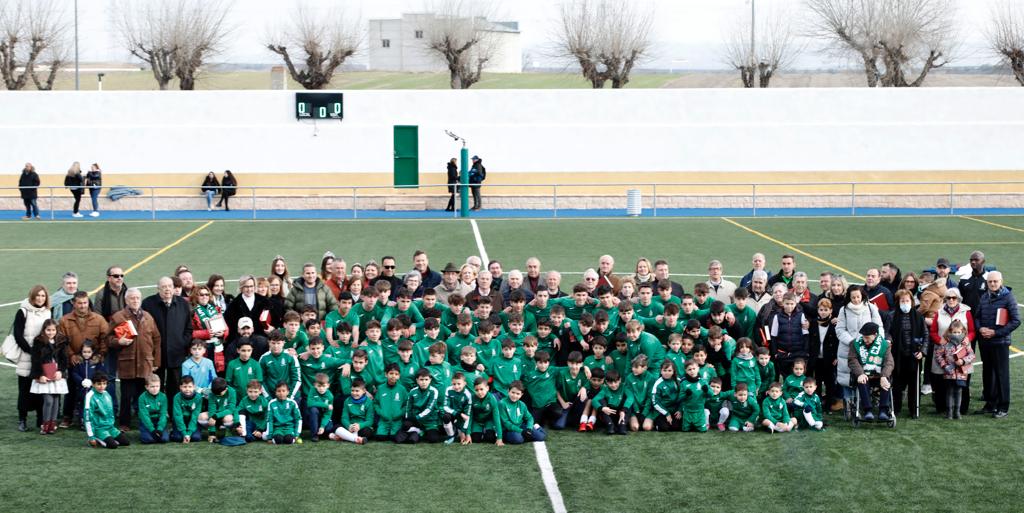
[923, 465]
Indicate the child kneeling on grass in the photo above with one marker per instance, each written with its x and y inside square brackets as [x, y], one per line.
[187, 405]
[356, 416]
[774, 413]
[516, 422]
[252, 412]
[153, 413]
[743, 410]
[99, 416]
[808, 405]
[284, 421]
[421, 417]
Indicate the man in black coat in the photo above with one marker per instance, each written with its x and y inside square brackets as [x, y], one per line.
[173, 317]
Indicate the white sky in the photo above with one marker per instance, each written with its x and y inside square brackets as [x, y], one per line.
[688, 34]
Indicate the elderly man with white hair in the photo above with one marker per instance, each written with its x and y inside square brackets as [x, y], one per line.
[605, 272]
[758, 261]
[996, 319]
[533, 280]
[591, 278]
[142, 354]
[759, 294]
[553, 282]
[173, 317]
[515, 282]
[720, 288]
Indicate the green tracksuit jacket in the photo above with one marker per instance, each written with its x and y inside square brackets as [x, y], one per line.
[153, 411]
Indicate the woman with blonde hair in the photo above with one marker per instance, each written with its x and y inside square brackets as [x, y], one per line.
[75, 182]
[28, 323]
[643, 272]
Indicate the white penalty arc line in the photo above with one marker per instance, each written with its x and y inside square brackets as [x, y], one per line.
[547, 472]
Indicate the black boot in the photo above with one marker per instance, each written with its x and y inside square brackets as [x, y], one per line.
[621, 429]
[610, 428]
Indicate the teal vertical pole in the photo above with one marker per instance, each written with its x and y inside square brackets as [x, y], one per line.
[464, 181]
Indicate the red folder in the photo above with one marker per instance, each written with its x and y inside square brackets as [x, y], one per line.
[1002, 317]
[126, 329]
[881, 302]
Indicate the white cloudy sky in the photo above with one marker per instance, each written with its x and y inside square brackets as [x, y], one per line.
[687, 33]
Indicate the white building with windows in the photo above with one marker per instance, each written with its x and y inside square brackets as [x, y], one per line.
[401, 45]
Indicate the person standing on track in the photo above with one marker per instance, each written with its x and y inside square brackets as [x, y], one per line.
[94, 181]
[29, 188]
[453, 182]
[74, 181]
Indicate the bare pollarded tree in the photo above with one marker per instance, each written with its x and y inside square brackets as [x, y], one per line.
[774, 50]
[175, 37]
[33, 33]
[322, 40]
[894, 39]
[606, 38]
[1006, 36]
[461, 35]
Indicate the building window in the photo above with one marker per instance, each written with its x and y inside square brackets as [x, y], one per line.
[419, 34]
[386, 43]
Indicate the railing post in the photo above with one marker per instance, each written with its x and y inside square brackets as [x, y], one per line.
[655, 204]
[253, 203]
[950, 198]
[554, 199]
[853, 198]
[753, 198]
[354, 216]
[51, 205]
[152, 202]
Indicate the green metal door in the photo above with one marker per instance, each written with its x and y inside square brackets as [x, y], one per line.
[407, 156]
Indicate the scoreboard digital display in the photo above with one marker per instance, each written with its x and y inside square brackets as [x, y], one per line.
[319, 105]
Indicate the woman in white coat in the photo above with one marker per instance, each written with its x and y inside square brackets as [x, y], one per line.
[856, 313]
[28, 322]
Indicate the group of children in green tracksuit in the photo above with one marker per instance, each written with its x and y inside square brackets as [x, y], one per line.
[457, 375]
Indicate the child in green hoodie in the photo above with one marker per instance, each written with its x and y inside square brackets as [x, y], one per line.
[153, 413]
[252, 412]
[389, 404]
[774, 413]
[421, 416]
[187, 406]
[99, 416]
[356, 416]
[743, 410]
[222, 410]
[284, 421]
[744, 366]
[517, 424]
[692, 392]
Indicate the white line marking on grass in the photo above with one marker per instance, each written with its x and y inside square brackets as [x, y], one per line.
[479, 241]
[5, 364]
[548, 475]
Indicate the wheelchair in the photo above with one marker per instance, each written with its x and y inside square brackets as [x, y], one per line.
[853, 406]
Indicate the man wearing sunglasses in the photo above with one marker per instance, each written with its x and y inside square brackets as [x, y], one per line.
[110, 299]
[387, 273]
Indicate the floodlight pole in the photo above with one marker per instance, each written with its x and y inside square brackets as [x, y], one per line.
[76, 45]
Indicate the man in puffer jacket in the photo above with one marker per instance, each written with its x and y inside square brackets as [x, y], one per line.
[996, 318]
[789, 336]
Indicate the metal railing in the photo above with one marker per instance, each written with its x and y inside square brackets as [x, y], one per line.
[733, 191]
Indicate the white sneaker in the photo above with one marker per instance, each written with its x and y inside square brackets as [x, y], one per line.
[76, 214]
[926, 390]
[94, 214]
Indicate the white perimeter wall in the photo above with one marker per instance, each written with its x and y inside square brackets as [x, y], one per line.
[522, 130]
